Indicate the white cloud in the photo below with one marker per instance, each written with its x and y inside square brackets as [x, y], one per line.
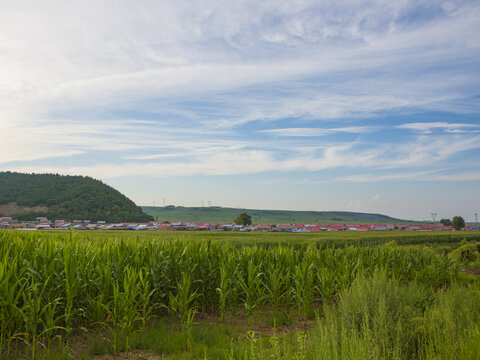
[407, 176]
[459, 175]
[427, 127]
[318, 131]
[355, 206]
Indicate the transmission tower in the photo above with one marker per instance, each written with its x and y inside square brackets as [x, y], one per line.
[164, 199]
[202, 202]
[434, 216]
[209, 203]
[476, 218]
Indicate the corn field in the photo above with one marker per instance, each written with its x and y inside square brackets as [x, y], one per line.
[54, 284]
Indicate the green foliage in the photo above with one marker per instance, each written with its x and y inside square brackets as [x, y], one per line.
[446, 222]
[243, 219]
[67, 197]
[466, 253]
[458, 222]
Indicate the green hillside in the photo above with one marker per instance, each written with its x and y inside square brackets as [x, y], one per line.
[222, 214]
[26, 196]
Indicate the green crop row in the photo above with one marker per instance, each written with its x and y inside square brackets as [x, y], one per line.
[337, 239]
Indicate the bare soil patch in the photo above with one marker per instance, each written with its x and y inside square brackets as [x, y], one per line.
[131, 355]
[470, 271]
[13, 208]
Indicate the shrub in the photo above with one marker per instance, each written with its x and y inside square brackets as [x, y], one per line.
[465, 253]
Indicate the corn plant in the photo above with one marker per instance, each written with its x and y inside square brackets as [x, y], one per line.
[224, 290]
[121, 311]
[145, 299]
[253, 289]
[304, 286]
[275, 285]
[182, 303]
[33, 313]
[11, 289]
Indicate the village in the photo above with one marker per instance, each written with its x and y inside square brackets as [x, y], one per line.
[42, 223]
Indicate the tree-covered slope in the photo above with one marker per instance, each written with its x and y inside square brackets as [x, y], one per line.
[224, 214]
[67, 197]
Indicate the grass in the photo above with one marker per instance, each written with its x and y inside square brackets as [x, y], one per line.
[224, 214]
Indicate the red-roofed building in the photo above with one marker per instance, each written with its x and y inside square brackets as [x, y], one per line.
[165, 227]
[283, 227]
[263, 227]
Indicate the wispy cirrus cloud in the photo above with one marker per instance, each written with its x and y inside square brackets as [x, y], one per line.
[319, 131]
[428, 127]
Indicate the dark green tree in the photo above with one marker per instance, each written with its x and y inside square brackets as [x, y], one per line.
[458, 223]
[243, 219]
[446, 222]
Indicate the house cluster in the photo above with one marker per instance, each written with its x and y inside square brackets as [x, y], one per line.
[42, 223]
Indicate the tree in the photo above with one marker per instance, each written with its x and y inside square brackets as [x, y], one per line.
[446, 222]
[458, 223]
[243, 219]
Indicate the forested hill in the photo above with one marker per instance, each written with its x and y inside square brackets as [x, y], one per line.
[224, 214]
[64, 197]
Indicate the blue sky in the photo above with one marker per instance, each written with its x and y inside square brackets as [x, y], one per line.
[309, 105]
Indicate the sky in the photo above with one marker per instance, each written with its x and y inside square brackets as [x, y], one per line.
[370, 106]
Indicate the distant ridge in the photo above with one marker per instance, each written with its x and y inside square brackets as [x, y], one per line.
[26, 196]
[225, 214]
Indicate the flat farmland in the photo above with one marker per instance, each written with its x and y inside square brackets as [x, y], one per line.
[216, 295]
[326, 238]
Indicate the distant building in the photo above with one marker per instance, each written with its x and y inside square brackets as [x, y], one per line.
[263, 227]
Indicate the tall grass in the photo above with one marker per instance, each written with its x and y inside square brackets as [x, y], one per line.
[379, 318]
